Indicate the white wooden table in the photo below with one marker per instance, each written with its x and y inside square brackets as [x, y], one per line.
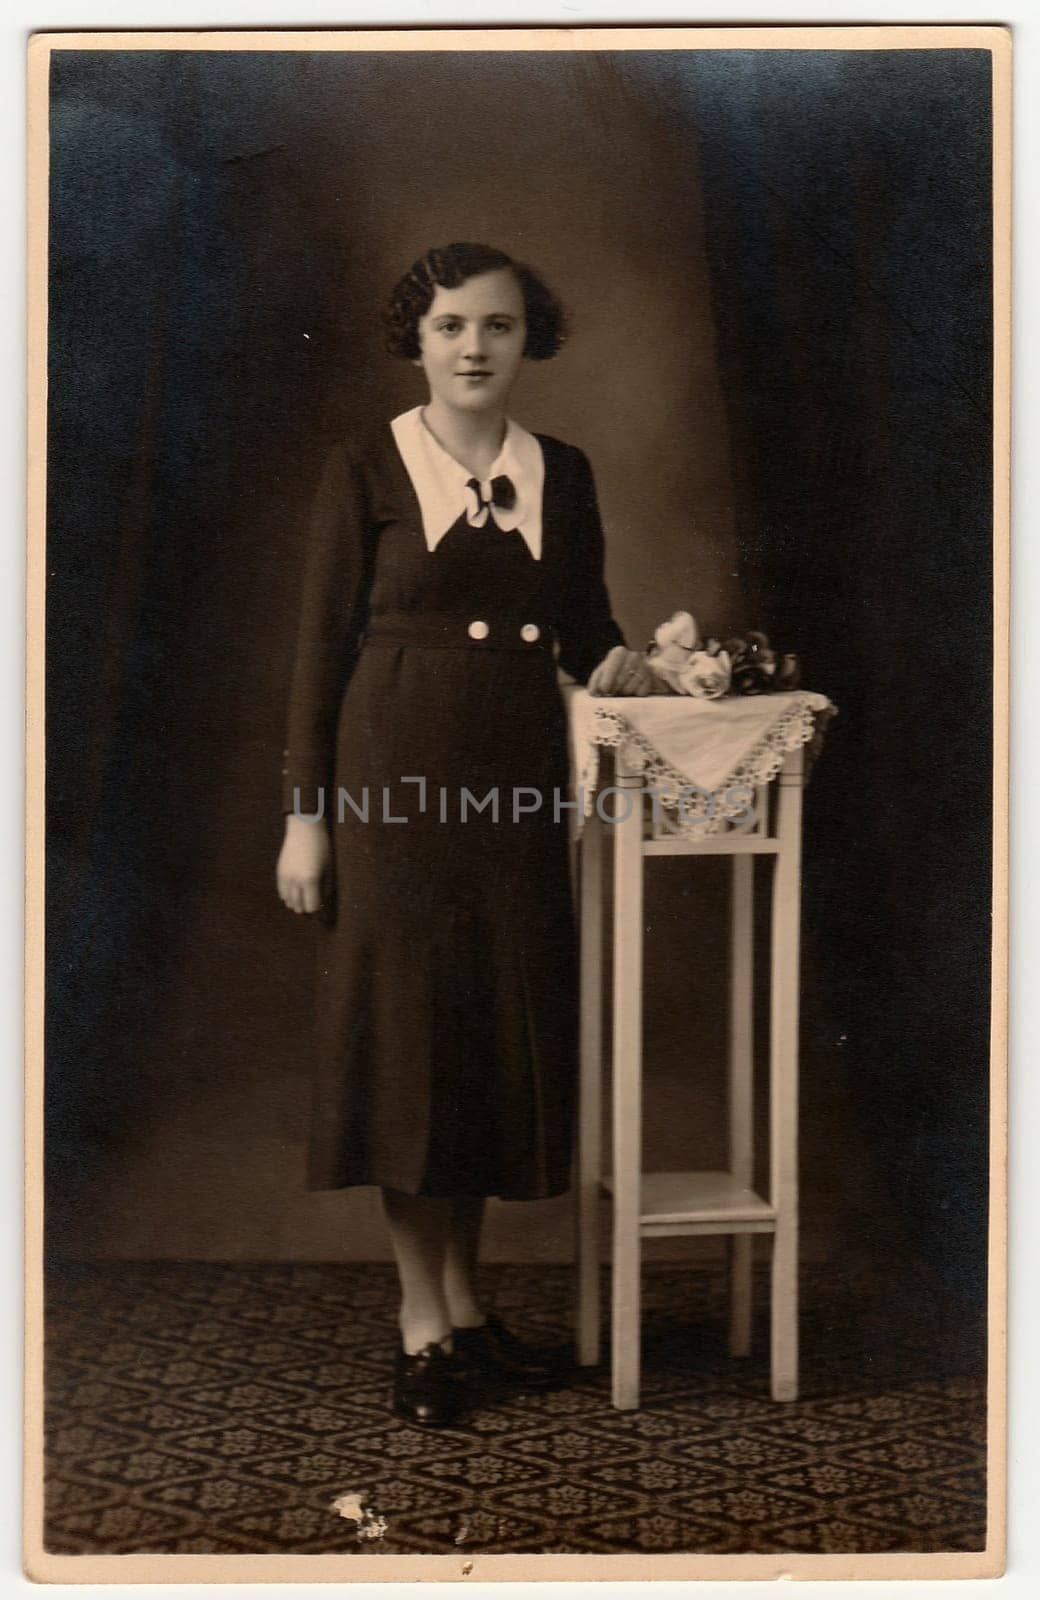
[656, 1204]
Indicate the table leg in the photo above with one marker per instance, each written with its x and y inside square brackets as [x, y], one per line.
[784, 1079]
[590, 1106]
[741, 1092]
[627, 1072]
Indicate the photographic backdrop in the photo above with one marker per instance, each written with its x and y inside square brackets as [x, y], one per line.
[779, 269]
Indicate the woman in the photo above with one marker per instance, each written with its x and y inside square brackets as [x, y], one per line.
[448, 554]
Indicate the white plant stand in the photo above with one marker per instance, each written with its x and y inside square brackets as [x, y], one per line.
[656, 1204]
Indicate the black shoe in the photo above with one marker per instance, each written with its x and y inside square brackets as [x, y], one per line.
[497, 1358]
[427, 1387]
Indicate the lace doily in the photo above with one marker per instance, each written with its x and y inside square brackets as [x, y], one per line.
[701, 811]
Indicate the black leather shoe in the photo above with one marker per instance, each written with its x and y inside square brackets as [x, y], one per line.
[427, 1387]
[497, 1358]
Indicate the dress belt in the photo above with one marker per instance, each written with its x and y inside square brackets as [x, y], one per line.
[437, 630]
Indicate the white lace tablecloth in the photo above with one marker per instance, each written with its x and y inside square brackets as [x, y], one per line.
[716, 748]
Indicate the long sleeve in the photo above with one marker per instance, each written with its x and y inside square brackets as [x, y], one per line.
[333, 608]
[587, 629]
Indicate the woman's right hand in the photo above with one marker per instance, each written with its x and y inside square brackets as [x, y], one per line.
[304, 864]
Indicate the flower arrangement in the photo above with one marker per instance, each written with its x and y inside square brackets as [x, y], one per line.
[744, 664]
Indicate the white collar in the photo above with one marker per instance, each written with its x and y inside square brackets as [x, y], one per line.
[440, 481]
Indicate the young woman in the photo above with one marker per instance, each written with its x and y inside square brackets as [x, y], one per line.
[449, 553]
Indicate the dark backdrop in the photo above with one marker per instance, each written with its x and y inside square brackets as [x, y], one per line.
[779, 266]
[848, 218]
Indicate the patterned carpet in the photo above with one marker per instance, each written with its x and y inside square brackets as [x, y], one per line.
[209, 1408]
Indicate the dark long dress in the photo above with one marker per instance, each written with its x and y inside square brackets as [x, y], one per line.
[445, 1056]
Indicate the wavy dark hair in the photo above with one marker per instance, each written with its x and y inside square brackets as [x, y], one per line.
[450, 266]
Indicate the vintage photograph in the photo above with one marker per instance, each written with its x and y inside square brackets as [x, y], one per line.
[517, 606]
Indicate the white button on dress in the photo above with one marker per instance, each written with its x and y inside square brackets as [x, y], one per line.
[530, 632]
[478, 630]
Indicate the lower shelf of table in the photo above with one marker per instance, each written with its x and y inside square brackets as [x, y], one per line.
[699, 1202]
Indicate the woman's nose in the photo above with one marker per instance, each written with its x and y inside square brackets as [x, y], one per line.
[475, 344]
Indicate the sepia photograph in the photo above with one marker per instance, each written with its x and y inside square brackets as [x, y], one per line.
[517, 608]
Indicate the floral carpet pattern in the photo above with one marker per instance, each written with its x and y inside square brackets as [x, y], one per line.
[207, 1408]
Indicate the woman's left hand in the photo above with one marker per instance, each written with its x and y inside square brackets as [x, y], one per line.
[623, 672]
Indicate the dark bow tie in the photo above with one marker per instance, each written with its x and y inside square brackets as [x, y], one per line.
[502, 493]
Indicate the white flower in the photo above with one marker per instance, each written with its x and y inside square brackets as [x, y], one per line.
[705, 676]
[674, 642]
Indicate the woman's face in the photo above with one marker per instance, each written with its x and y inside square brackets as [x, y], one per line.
[471, 342]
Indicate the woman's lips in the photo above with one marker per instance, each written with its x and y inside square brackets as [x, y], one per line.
[475, 375]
